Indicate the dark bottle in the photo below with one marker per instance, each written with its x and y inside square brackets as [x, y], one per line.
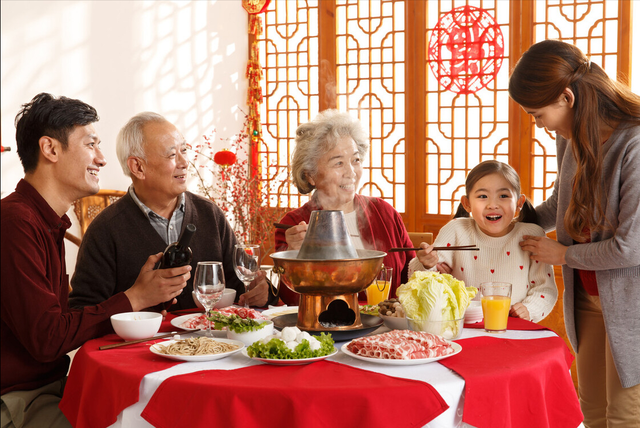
[178, 254]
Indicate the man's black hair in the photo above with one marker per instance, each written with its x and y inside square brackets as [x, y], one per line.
[46, 115]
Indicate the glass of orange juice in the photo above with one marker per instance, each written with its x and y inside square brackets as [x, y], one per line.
[496, 302]
[379, 289]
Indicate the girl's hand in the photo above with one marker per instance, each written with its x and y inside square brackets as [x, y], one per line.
[427, 256]
[444, 268]
[519, 310]
[544, 250]
[295, 235]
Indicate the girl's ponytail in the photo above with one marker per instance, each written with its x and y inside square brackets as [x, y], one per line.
[528, 213]
[461, 212]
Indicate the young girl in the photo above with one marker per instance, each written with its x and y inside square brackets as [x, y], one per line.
[493, 198]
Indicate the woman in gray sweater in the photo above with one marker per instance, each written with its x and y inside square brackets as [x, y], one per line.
[595, 210]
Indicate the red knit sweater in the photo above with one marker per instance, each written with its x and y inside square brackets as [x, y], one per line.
[37, 328]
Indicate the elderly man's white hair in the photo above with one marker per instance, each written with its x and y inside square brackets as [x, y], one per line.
[130, 139]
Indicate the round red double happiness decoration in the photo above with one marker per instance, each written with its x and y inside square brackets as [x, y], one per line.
[466, 49]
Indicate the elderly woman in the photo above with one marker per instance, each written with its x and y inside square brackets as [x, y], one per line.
[328, 160]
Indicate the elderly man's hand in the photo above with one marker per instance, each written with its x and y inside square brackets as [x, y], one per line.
[295, 235]
[258, 294]
[154, 286]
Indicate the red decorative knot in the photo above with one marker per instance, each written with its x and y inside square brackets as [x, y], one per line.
[466, 49]
[255, 6]
[224, 158]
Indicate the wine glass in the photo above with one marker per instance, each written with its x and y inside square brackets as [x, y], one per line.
[246, 264]
[208, 286]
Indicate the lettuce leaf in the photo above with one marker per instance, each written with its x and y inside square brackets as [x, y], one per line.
[235, 323]
[276, 349]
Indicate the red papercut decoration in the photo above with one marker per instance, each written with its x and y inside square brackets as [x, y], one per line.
[224, 158]
[255, 6]
[466, 49]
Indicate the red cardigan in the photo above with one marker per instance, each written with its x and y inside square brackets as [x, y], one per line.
[36, 325]
[381, 228]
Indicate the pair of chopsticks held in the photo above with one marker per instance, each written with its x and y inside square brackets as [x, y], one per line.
[392, 250]
[450, 248]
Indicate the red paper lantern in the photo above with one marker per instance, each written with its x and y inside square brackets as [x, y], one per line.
[255, 6]
[466, 49]
[224, 158]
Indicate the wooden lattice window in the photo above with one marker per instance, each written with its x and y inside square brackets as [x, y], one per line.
[372, 59]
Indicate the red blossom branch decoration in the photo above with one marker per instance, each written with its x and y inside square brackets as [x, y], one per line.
[224, 178]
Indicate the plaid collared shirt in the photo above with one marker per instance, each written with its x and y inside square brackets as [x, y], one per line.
[169, 230]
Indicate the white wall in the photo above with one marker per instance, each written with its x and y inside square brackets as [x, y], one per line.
[185, 60]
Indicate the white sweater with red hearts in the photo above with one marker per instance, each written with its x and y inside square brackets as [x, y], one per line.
[499, 259]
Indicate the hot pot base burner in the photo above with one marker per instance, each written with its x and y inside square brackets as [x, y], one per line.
[369, 324]
[337, 314]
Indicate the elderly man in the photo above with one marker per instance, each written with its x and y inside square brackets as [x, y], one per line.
[151, 216]
[60, 153]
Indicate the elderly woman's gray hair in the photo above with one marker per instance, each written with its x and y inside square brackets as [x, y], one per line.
[321, 135]
[130, 139]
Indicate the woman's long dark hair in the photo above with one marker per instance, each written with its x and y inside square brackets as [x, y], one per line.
[527, 213]
[539, 79]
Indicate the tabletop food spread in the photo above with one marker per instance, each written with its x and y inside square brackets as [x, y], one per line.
[330, 361]
[384, 353]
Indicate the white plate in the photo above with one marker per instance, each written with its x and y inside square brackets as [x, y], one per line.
[456, 349]
[297, 362]
[276, 312]
[197, 358]
[182, 319]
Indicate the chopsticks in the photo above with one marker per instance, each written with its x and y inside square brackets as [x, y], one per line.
[283, 226]
[451, 248]
[162, 336]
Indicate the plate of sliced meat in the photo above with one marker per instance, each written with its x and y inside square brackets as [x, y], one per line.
[194, 322]
[191, 322]
[401, 348]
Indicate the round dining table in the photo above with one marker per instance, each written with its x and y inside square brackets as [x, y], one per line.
[494, 381]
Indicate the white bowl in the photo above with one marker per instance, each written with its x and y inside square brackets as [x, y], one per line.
[449, 330]
[395, 323]
[136, 325]
[473, 314]
[249, 337]
[228, 297]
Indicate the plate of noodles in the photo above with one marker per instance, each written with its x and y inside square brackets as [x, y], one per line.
[197, 348]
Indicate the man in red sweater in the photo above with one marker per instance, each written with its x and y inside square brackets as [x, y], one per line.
[60, 153]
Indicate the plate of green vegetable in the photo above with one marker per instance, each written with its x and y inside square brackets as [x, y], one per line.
[290, 362]
[292, 347]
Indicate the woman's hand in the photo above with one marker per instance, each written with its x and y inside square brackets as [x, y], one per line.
[295, 235]
[427, 256]
[519, 310]
[544, 250]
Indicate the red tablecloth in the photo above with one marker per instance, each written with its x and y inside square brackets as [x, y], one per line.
[513, 323]
[321, 394]
[92, 397]
[516, 383]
